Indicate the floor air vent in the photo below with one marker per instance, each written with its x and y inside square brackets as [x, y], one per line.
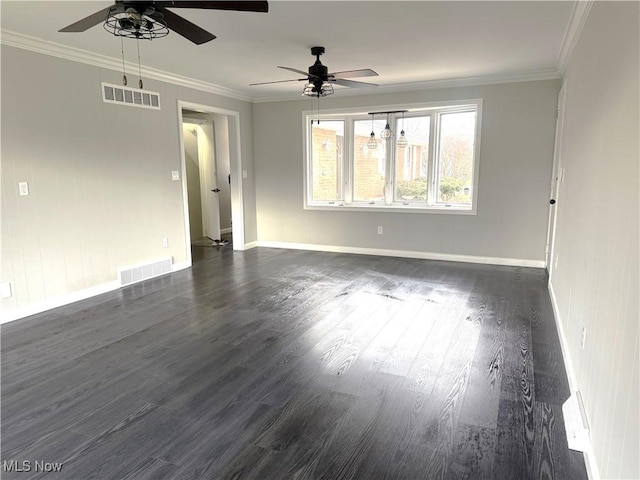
[575, 423]
[133, 97]
[129, 275]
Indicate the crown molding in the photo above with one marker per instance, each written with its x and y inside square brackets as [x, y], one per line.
[578, 18]
[545, 74]
[38, 45]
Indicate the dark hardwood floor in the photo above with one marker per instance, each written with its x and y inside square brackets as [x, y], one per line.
[280, 364]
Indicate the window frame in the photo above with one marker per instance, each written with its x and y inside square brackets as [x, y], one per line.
[389, 204]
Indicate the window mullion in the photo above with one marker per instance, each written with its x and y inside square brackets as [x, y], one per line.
[388, 186]
[308, 162]
[348, 164]
[433, 160]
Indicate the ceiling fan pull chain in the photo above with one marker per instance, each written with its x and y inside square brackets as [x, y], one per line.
[140, 84]
[313, 109]
[124, 72]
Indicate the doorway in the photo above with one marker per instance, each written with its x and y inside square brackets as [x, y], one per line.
[211, 177]
[202, 183]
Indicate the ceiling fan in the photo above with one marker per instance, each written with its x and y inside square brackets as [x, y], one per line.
[145, 19]
[320, 80]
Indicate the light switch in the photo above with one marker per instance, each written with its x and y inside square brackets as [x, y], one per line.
[175, 175]
[244, 174]
[24, 188]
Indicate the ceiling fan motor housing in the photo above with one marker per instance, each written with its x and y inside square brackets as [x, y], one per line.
[318, 70]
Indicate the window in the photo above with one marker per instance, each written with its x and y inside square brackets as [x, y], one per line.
[455, 152]
[412, 161]
[436, 171]
[369, 166]
[327, 139]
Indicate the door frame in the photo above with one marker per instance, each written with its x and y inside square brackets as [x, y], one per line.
[557, 175]
[235, 161]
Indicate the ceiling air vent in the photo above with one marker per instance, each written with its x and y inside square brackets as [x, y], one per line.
[133, 97]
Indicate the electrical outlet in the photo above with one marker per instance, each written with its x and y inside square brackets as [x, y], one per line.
[5, 290]
[380, 230]
[175, 175]
[583, 339]
[165, 242]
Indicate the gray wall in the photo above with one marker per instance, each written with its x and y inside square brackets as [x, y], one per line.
[100, 178]
[515, 169]
[596, 281]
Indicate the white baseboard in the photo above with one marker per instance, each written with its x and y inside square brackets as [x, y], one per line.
[72, 297]
[589, 457]
[179, 266]
[225, 230]
[514, 262]
[250, 245]
[564, 345]
[60, 301]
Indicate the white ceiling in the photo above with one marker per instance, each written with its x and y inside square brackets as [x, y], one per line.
[409, 44]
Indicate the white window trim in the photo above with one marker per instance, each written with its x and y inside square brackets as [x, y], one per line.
[347, 115]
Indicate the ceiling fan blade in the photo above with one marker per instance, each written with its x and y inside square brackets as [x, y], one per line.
[183, 27]
[87, 22]
[240, 6]
[295, 70]
[352, 83]
[364, 72]
[279, 81]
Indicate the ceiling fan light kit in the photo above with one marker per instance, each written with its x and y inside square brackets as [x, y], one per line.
[135, 24]
[321, 90]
